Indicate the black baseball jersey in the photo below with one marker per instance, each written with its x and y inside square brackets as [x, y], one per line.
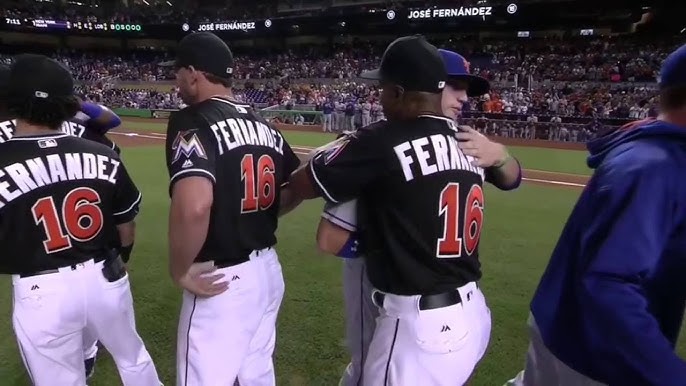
[78, 126]
[420, 202]
[246, 158]
[59, 196]
[6, 127]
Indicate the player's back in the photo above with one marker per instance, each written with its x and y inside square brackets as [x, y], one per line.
[247, 159]
[622, 246]
[426, 211]
[56, 196]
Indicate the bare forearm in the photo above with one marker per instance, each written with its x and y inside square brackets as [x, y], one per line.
[187, 234]
[289, 201]
[507, 176]
[127, 233]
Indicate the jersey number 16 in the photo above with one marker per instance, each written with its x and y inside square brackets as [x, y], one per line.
[259, 190]
[79, 218]
[450, 244]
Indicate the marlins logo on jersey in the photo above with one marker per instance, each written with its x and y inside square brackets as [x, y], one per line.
[333, 149]
[186, 143]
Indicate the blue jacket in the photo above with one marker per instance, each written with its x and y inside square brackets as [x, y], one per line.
[611, 301]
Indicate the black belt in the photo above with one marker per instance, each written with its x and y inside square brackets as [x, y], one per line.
[226, 264]
[428, 302]
[49, 271]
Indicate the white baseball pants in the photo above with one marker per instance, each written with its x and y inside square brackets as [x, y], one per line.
[233, 334]
[360, 318]
[432, 347]
[51, 312]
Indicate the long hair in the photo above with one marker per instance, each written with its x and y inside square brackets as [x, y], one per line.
[49, 112]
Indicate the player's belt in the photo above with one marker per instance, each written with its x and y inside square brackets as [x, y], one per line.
[226, 264]
[73, 267]
[427, 302]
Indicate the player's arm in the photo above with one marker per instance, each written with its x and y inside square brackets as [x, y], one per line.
[336, 233]
[339, 173]
[506, 174]
[623, 244]
[127, 200]
[192, 195]
[100, 117]
[288, 199]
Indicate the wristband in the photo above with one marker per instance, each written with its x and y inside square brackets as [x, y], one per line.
[349, 249]
[94, 111]
[503, 162]
[125, 252]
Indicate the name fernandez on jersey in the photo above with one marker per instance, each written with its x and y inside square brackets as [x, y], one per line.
[23, 177]
[236, 132]
[68, 127]
[433, 154]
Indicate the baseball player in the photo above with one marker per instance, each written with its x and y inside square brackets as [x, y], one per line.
[59, 195]
[91, 122]
[337, 228]
[610, 304]
[420, 208]
[226, 166]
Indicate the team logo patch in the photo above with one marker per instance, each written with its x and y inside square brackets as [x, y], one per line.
[331, 153]
[186, 144]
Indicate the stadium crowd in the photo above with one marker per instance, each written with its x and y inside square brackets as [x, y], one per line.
[589, 81]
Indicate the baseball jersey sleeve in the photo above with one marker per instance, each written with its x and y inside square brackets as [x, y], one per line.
[340, 172]
[127, 197]
[190, 150]
[343, 215]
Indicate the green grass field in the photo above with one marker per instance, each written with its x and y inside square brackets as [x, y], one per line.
[520, 230]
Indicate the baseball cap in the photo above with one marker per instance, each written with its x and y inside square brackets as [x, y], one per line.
[37, 76]
[206, 52]
[412, 63]
[673, 72]
[457, 68]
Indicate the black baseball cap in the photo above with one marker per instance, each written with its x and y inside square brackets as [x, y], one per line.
[39, 77]
[206, 52]
[412, 63]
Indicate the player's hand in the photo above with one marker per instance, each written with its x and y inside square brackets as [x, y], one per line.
[485, 152]
[202, 281]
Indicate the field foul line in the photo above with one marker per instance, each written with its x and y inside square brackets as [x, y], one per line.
[305, 150]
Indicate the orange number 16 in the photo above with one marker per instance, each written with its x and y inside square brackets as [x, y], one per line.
[450, 244]
[80, 214]
[259, 183]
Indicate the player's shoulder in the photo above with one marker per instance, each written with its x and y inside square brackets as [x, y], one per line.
[370, 130]
[642, 154]
[72, 143]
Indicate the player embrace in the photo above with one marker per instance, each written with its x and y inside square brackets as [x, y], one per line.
[59, 195]
[338, 231]
[419, 217]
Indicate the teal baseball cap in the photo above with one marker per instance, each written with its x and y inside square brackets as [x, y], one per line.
[457, 68]
[673, 72]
